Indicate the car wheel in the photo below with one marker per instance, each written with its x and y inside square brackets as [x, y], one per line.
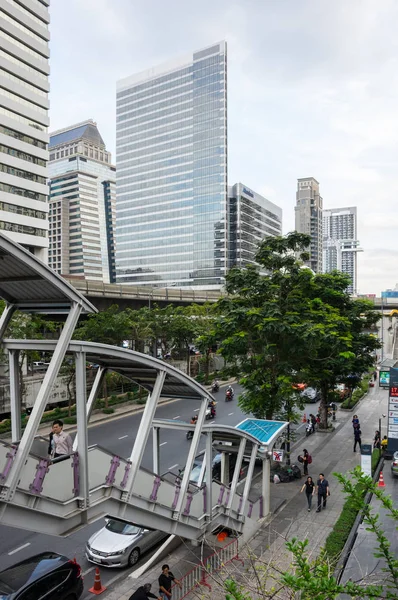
[134, 557]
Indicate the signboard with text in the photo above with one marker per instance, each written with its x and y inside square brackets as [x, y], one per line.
[392, 427]
[366, 459]
[384, 378]
[277, 455]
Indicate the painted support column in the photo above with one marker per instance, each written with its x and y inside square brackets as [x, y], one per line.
[249, 477]
[225, 468]
[92, 398]
[209, 477]
[6, 318]
[143, 432]
[25, 445]
[266, 486]
[203, 469]
[15, 395]
[82, 431]
[191, 457]
[238, 467]
[156, 450]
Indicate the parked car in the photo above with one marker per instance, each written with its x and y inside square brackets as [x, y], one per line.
[121, 543]
[47, 575]
[394, 464]
[310, 395]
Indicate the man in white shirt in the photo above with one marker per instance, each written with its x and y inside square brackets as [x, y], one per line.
[60, 442]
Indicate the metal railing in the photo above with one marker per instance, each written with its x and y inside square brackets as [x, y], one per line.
[200, 574]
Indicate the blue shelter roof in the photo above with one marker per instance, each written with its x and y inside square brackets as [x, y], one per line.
[265, 432]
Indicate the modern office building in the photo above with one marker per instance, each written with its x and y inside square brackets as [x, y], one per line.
[24, 86]
[340, 244]
[251, 218]
[82, 204]
[308, 216]
[171, 205]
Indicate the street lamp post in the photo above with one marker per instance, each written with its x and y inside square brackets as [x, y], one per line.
[382, 330]
[383, 416]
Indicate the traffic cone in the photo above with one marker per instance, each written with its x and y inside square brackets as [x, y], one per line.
[304, 419]
[381, 480]
[97, 588]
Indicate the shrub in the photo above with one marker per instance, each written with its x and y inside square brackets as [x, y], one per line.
[5, 426]
[375, 459]
[337, 538]
[108, 411]
[200, 377]
[130, 396]
[114, 400]
[99, 403]
[141, 400]
[69, 420]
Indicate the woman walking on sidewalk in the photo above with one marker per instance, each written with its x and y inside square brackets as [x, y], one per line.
[357, 438]
[309, 488]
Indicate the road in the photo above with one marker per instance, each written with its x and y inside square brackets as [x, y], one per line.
[118, 436]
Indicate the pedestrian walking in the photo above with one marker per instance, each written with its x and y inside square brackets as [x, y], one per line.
[355, 421]
[376, 441]
[374, 375]
[357, 438]
[165, 580]
[60, 444]
[309, 488]
[313, 422]
[307, 460]
[322, 486]
[143, 593]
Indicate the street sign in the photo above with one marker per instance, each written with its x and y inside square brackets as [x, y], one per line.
[392, 427]
[393, 413]
[277, 455]
[366, 459]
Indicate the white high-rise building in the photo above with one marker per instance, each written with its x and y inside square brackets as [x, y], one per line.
[340, 244]
[24, 87]
[171, 202]
[308, 216]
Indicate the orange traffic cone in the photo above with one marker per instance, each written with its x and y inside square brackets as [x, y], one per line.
[381, 480]
[304, 419]
[97, 588]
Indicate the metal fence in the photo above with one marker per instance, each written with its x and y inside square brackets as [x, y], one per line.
[200, 575]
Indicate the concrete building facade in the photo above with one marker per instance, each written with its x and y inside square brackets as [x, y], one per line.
[340, 244]
[171, 206]
[251, 217]
[82, 204]
[24, 87]
[308, 218]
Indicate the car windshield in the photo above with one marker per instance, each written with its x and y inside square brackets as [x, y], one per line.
[122, 528]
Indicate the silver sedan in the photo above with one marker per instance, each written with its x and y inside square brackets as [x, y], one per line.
[120, 543]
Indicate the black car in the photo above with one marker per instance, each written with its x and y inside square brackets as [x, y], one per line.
[45, 576]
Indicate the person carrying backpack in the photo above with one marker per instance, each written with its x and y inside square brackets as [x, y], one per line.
[306, 460]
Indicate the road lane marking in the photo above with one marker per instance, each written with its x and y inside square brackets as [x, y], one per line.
[18, 549]
[123, 436]
[172, 467]
[196, 410]
[177, 417]
[162, 444]
[88, 571]
[230, 414]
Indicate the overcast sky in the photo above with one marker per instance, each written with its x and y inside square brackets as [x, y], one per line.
[312, 91]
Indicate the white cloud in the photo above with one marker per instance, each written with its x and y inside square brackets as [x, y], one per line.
[313, 90]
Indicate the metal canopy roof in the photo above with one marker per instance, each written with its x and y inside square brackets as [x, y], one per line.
[388, 363]
[31, 286]
[138, 367]
[265, 432]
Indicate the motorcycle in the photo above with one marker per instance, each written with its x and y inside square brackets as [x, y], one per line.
[309, 429]
[210, 412]
[228, 396]
[189, 435]
[215, 387]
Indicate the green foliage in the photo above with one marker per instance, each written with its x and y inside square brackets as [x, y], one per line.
[110, 326]
[358, 393]
[141, 400]
[69, 420]
[108, 411]
[130, 396]
[337, 538]
[375, 459]
[5, 426]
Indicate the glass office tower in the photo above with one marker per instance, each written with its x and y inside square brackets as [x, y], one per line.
[172, 173]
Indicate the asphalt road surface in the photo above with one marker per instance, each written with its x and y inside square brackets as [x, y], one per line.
[117, 436]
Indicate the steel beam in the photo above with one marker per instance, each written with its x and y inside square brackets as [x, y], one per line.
[266, 486]
[156, 450]
[82, 431]
[8, 490]
[92, 398]
[6, 318]
[237, 471]
[249, 477]
[209, 478]
[143, 432]
[191, 457]
[224, 467]
[15, 395]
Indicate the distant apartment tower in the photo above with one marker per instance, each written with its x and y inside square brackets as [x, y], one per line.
[308, 216]
[24, 86]
[171, 199]
[251, 218]
[340, 244]
[82, 204]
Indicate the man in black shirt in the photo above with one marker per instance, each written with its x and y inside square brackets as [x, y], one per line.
[165, 581]
[322, 486]
[143, 593]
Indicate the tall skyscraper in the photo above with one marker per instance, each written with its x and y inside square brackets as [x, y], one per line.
[172, 173]
[82, 204]
[24, 87]
[251, 218]
[340, 244]
[308, 214]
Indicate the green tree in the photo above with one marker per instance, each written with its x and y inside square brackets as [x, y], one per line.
[110, 326]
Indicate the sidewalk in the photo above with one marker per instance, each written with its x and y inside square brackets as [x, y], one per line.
[330, 452]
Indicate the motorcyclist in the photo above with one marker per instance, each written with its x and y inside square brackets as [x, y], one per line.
[313, 422]
[230, 390]
[212, 406]
[194, 420]
[215, 385]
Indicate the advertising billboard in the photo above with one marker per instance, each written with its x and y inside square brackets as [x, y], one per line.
[384, 378]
